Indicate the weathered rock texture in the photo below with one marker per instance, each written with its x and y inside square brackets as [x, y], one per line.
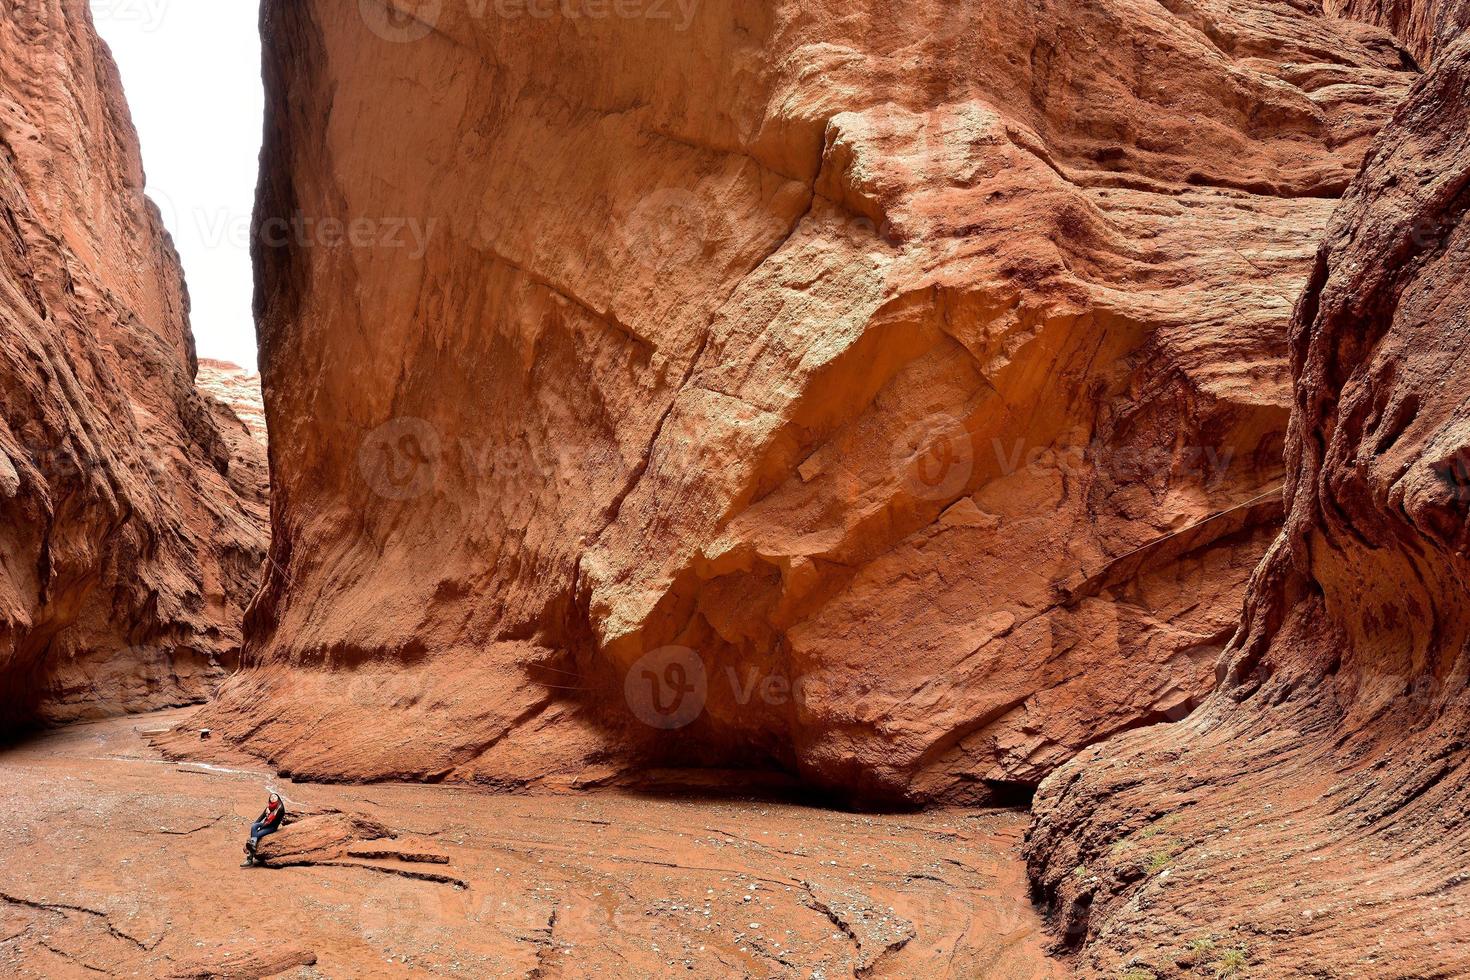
[930, 361]
[132, 509]
[1427, 27]
[1313, 813]
[238, 389]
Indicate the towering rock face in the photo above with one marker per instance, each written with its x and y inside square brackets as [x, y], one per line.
[891, 395]
[1427, 27]
[1317, 804]
[133, 507]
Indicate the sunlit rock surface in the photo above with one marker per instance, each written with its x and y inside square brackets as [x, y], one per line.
[889, 395]
[1427, 27]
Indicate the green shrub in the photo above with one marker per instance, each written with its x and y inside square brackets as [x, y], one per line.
[1231, 963]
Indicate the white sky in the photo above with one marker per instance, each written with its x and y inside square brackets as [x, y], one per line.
[191, 70]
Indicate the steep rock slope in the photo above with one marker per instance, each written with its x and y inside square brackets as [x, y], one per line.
[1427, 27]
[238, 389]
[889, 395]
[1313, 814]
[133, 508]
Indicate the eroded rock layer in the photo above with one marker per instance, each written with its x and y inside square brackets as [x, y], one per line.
[132, 508]
[1311, 818]
[238, 389]
[1427, 27]
[890, 395]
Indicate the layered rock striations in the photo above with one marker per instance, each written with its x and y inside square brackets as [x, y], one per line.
[133, 507]
[1311, 817]
[890, 396]
[238, 389]
[1427, 27]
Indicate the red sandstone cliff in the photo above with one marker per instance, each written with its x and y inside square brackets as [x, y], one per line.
[133, 508]
[626, 373]
[1427, 27]
[1313, 814]
[930, 364]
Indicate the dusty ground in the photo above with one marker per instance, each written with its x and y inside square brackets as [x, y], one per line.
[114, 860]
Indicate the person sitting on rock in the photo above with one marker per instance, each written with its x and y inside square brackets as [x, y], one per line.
[268, 822]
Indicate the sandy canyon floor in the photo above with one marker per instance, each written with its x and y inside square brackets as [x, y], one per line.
[116, 861]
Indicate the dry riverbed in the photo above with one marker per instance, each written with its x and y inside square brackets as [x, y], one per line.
[115, 861]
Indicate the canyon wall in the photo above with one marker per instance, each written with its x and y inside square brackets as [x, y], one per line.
[133, 506]
[238, 389]
[1426, 27]
[890, 396]
[1312, 815]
